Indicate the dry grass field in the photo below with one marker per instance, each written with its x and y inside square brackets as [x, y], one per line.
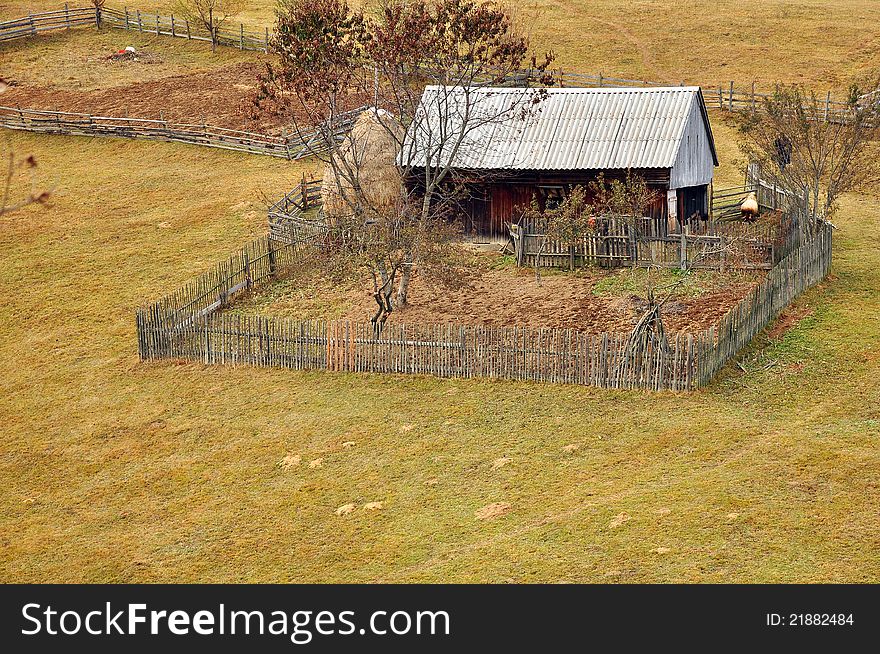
[115, 470]
[820, 42]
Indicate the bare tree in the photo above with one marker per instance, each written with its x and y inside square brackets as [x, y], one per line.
[812, 150]
[333, 58]
[211, 15]
[15, 194]
[567, 224]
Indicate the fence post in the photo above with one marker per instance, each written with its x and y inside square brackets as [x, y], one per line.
[266, 49]
[600, 80]
[730, 99]
[721, 97]
[157, 24]
[271, 257]
[682, 255]
[33, 25]
[126, 18]
[67, 15]
[827, 105]
[286, 142]
[173, 33]
[140, 23]
[241, 36]
[187, 28]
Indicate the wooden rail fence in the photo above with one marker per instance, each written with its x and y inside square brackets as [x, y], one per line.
[133, 20]
[59, 19]
[188, 324]
[727, 96]
[287, 146]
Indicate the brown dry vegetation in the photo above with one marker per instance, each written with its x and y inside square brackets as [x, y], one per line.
[819, 42]
[492, 293]
[218, 97]
[77, 60]
[115, 470]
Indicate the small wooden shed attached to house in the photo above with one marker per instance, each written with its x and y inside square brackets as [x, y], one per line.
[509, 156]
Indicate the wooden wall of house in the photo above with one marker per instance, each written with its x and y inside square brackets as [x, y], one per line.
[506, 203]
[694, 163]
[496, 199]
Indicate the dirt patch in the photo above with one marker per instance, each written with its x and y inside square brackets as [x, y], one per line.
[494, 510]
[509, 296]
[789, 317]
[219, 97]
[618, 520]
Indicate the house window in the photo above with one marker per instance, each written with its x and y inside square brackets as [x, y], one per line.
[551, 196]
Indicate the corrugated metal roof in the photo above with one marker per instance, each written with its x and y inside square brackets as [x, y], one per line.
[572, 129]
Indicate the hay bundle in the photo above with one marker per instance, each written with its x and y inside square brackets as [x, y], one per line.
[370, 150]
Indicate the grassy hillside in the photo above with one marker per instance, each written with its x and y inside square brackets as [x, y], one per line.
[819, 42]
[115, 470]
[120, 471]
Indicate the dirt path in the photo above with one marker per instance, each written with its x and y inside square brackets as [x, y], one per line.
[647, 57]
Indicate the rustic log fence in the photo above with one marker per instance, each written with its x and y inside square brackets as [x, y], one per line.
[132, 20]
[291, 146]
[727, 96]
[288, 219]
[189, 324]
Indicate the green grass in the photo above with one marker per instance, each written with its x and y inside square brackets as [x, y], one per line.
[116, 470]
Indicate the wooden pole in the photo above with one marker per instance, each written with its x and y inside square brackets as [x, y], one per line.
[241, 36]
[67, 15]
[730, 99]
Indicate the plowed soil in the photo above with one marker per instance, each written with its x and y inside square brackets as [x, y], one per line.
[219, 97]
[510, 296]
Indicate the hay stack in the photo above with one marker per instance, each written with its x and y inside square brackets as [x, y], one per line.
[370, 149]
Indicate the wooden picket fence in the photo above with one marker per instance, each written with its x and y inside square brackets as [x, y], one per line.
[627, 241]
[286, 146]
[804, 267]
[188, 324]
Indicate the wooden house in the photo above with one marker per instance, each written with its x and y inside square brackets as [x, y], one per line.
[512, 149]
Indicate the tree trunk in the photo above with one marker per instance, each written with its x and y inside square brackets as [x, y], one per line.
[403, 287]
